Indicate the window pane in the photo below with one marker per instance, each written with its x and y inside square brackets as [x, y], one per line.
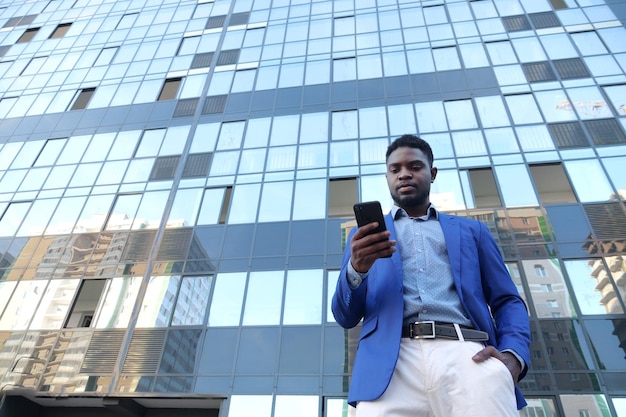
[615, 169]
[65, 215]
[158, 302]
[304, 405]
[37, 218]
[309, 199]
[446, 192]
[501, 141]
[460, 114]
[474, 55]
[593, 289]
[150, 210]
[534, 138]
[264, 298]
[20, 309]
[314, 127]
[92, 217]
[343, 153]
[257, 133]
[276, 201]
[372, 122]
[431, 117]
[469, 143]
[589, 180]
[282, 158]
[123, 213]
[50, 152]
[192, 301]
[227, 299]
[401, 119]
[547, 287]
[244, 205]
[185, 208]
[231, 135]
[491, 111]
[345, 125]
[303, 297]
[555, 106]
[285, 130]
[523, 109]
[250, 405]
[446, 58]
[117, 303]
[212, 204]
[516, 186]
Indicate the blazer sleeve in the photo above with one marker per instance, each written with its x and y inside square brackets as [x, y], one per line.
[510, 314]
[348, 304]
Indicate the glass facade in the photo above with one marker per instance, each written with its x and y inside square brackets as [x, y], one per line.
[177, 180]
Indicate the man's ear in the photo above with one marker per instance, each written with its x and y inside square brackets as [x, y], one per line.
[433, 174]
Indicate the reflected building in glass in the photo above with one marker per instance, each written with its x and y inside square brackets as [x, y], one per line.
[177, 180]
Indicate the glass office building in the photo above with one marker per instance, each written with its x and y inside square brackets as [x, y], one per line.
[177, 180]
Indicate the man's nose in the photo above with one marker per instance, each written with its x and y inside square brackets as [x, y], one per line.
[405, 173]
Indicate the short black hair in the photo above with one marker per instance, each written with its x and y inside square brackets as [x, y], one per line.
[411, 141]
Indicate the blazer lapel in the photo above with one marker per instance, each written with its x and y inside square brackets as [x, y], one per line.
[452, 235]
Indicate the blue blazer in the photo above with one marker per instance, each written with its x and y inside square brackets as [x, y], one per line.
[481, 280]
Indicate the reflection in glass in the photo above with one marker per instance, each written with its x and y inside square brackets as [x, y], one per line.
[54, 304]
[263, 298]
[446, 192]
[608, 338]
[592, 286]
[227, 299]
[549, 293]
[536, 407]
[303, 297]
[123, 213]
[150, 210]
[19, 310]
[158, 302]
[585, 405]
[185, 207]
[567, 351]
[117, 303]
[37, 218]
[192, 301]
[62, 373]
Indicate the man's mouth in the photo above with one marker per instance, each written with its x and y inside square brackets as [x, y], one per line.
[403, 188]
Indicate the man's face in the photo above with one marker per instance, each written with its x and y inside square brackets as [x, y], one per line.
[409, 176]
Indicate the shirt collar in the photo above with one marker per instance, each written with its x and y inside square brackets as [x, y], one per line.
[431, 213]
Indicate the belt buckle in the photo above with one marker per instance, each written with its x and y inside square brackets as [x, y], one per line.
[423, 336]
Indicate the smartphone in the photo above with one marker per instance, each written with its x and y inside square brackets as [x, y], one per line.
[369, 212]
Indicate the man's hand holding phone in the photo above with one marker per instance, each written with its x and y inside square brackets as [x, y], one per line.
[371, 240]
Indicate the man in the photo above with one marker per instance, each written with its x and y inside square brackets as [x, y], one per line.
[445, 332]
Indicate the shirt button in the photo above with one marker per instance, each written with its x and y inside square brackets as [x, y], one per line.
[421, 269]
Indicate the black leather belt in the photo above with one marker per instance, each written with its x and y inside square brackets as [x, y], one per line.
[432, 330]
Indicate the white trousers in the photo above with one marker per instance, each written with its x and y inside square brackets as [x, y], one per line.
[438, 378]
